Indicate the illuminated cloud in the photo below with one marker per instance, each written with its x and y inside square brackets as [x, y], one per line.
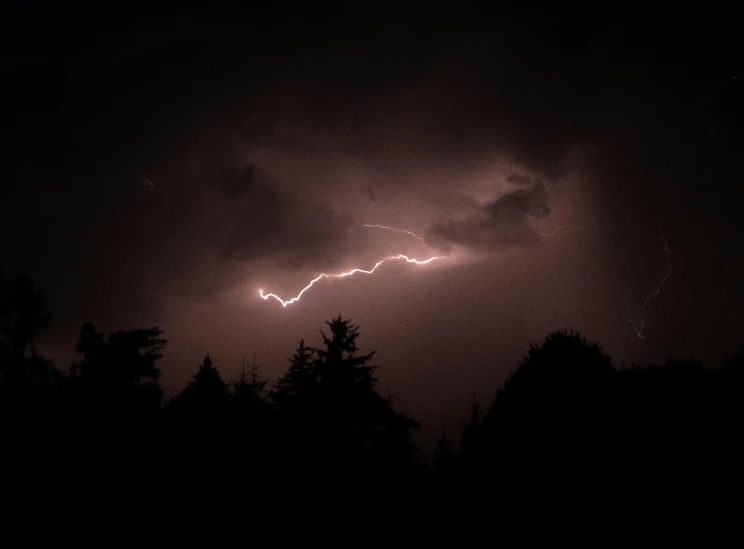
[502, 223]
[256, 219]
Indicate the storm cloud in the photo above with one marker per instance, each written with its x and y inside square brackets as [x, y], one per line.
[270, 137]
[502, 223]
[255, 220]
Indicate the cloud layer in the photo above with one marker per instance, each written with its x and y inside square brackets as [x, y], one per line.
[501, 223]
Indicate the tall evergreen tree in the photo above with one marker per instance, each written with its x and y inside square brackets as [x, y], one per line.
[206, 394]
[331, 411]
[346, 385]
[338, 365]
[249, 395]
[444, 456]
[249, 386]
[355, 417]
[295, 389]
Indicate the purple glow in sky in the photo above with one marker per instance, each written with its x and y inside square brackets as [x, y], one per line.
[170, 173]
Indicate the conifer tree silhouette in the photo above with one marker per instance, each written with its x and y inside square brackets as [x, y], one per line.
[206, 396]
[295, 389]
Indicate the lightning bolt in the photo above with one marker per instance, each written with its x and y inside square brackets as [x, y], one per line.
[410, 233]
[348, 273]
[642, 309]
[566, 227]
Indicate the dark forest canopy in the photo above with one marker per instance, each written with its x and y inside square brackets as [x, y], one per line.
[565, 411]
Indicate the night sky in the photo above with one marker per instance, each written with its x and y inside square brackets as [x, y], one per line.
[160, 168]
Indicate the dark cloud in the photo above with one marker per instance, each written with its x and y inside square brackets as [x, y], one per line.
[501, 223]
[515, 205]
[265, 222]
[370, 192]
[110, 248]
[520, 179]
[394, 123]
[236, 184]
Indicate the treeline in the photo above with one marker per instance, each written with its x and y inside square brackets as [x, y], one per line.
[323, 412]
[566, 414]
[567, 417]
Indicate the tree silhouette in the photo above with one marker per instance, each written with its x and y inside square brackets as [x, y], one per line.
[126, 358]
[725, 389]
[23, 314]
[552, 414]
[444, 455]
[355, 417]
[250, 420]
[199, 423]
[118, 373]
[565, 415]
[346, 386]
[722, 408]
[248, 391]
[31, 389]
[330, 411]
[472, 439]
[206, 395]
[296, 389]
[558, 383]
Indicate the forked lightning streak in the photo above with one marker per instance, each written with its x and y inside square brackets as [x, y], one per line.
[321, 276]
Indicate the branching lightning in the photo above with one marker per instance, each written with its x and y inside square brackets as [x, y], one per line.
[348, 273]
[714, 129]
[410, 233]
[642, 309]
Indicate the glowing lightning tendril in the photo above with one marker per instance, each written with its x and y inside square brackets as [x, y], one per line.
[349, 273]
[564, 227]
[642, 309]
[414, 235]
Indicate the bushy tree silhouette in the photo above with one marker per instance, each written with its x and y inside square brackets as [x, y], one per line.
[552, 414]
[31, 389]
[118, 373]
[23, 315]
[115, 399]
[565, 414]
